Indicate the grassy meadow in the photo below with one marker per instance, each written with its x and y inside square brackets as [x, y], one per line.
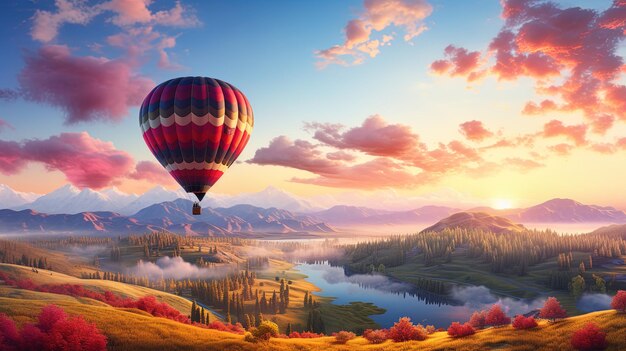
[131, 329]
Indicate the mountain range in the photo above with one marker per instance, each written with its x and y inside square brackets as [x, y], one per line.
[71, 200]
[69, 209]
[172, 216]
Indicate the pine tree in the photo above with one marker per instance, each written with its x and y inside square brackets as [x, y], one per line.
[193, 311]
[288, 330]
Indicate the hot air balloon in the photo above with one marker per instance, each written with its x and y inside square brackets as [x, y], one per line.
[196, 127]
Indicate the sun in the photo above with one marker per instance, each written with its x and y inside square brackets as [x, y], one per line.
[502, 204]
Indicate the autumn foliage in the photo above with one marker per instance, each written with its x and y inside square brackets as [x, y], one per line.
[53, 331]
[552, 309]
[236, 328]
[477, 320]
[305, 335]
[457, 330]
[343, 337]
[147, 303]
[619, 301]
[589, 338]
[404, 330]
[521, 322]
[496, 317]
[376, 336]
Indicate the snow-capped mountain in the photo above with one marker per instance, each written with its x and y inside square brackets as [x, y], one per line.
[153, 196]
[70, 200]
[12, 198]
[266, 198]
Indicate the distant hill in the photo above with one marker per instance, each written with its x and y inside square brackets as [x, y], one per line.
[173, 216]
[567, 210]
[476, 220]
[351, 215]
[612, 230]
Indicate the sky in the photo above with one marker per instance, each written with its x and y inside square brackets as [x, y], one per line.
[503, 103]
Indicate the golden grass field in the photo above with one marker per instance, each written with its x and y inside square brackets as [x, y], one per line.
[125, 290]
[131, 329]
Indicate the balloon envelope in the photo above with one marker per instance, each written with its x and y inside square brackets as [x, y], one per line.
[196, 127]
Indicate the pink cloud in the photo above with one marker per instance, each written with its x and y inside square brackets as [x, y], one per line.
[576, 133]
[562, 149]
[374, 137]
[340, 156]
[130, 12]
[450, 157]
[334, 171]
[299, 154]
[87, 88]
[570, 53]
[603, 148]
[84, 160]
[458, 62]
[11, 160]
[546, 105]
[475, 131]
[393, 153]
[375, 174]
[377, 16]
[152, 172]
[46, 24]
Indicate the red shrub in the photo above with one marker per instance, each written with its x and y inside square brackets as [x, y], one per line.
[496, 317]
[477, 320]
[619, 301]
[54, 331]
[74, 334]
[231, 328]
[521, 322]
[457, 330]
[148, 303]
[9, 337]
[404, 330]
[589, 338]
[377, 336]
[552, 309]
[304, 335]
[33, 339]
[343, 336]
[49, 316]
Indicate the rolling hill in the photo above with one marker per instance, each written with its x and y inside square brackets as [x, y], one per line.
[476, 220]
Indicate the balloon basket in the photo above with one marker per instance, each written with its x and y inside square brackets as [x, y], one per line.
[197, 210]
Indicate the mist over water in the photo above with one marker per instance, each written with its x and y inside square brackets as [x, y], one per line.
[594, 302]
[404, 300]
[481, 298]
[335, 275]
[176, 268]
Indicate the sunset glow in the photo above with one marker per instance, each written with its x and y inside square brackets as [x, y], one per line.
[502, 204]
[347, 99]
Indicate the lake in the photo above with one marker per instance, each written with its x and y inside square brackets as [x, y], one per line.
[400, 299]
